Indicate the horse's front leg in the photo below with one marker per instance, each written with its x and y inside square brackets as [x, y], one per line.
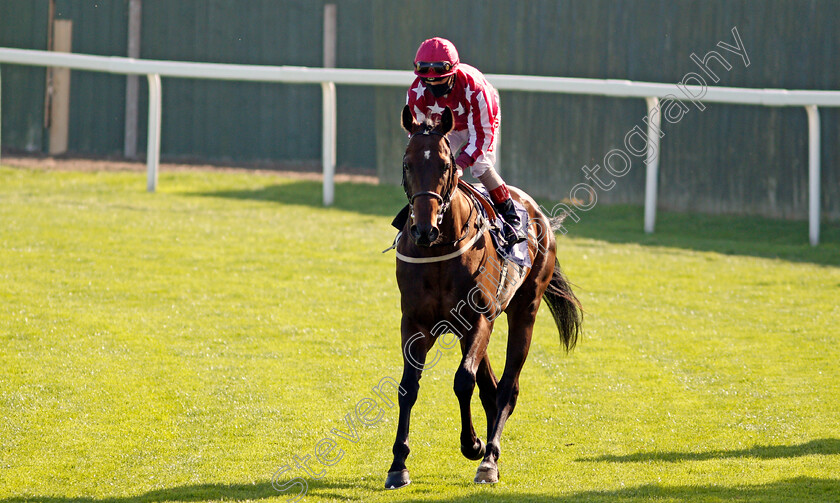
[415, 345]
[487, 388]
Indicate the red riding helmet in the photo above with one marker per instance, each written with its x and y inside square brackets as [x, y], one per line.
[436, 57]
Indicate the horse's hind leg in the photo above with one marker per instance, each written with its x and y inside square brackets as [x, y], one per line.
[521, 326]
[474, 348]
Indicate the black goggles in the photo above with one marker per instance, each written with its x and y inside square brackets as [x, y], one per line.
[437, 67]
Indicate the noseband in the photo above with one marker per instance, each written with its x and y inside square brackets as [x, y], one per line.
[445, 200]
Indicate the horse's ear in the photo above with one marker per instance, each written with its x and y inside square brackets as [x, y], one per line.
[408, 122]
[446, 121]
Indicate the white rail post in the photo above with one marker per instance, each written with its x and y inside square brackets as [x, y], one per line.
[328, 141]
[328, 146]
[153, 142]
[813, 174]
[654, 123]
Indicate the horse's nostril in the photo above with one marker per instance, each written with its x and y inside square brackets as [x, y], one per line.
[415, 233]
[434, 233]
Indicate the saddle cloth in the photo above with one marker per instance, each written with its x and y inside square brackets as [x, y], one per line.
[514, 260]
[517, 253]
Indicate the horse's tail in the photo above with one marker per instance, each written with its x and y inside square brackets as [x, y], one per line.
[564, 306]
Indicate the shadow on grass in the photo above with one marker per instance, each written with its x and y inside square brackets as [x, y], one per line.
[726, 234]
[826, 446]
[378, 200]
[795, 489]
[207, 492]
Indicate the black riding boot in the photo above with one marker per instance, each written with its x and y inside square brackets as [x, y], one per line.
[515, 231]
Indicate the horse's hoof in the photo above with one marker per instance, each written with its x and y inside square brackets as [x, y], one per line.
[487, 474]
[469, 452]
[396, 480]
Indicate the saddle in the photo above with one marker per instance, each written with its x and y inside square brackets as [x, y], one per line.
[469, 188]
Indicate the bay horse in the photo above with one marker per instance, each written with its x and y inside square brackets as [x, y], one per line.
[447, 270]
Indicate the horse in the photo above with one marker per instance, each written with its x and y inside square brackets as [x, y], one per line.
[447, 271]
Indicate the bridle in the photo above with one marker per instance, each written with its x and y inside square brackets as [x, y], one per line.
[445, 200]
[481, 223]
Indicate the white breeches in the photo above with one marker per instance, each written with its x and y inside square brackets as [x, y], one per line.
[485, 162]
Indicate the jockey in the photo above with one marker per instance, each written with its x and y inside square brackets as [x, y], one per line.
[442, 80]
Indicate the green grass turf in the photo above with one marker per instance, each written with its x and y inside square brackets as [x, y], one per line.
[184, 345]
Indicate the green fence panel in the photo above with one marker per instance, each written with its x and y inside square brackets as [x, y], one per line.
[23, 24]
[726, 158]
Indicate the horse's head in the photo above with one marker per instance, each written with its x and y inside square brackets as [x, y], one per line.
[429, 175]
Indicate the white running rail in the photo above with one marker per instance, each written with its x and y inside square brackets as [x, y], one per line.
[329, 77]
